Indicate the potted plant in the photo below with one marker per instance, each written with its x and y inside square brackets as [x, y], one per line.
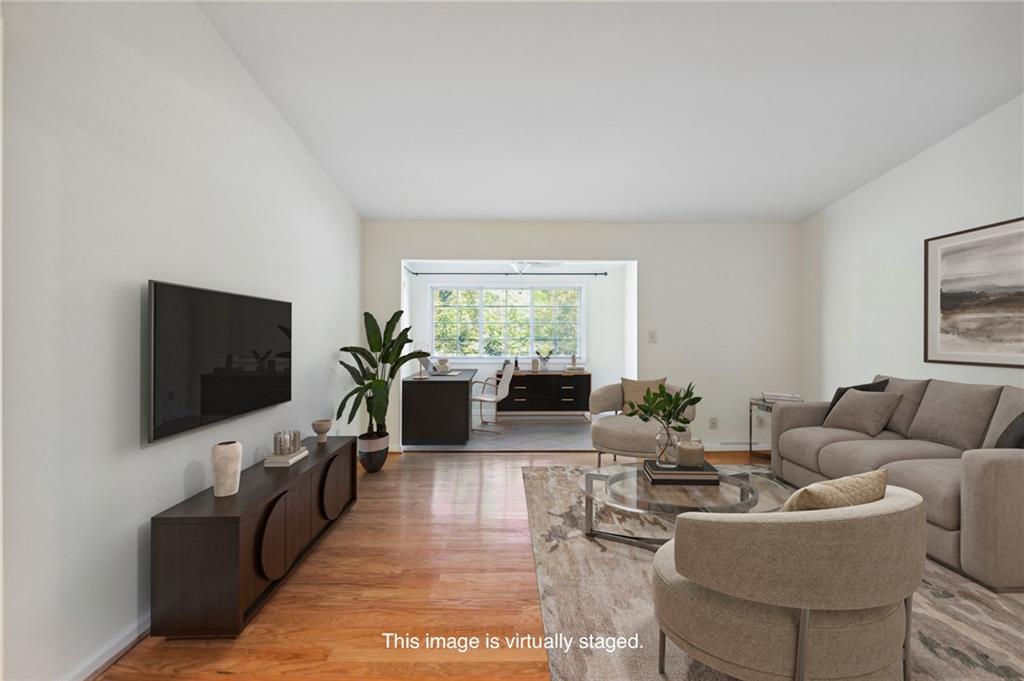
[545, 358]
[374, 369]
[668, 410]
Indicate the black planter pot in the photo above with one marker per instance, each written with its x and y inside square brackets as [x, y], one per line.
[373, 451]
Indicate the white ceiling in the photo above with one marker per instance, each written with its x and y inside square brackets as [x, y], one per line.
[694, 112]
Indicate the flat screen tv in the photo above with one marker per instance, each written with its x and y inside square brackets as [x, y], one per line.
[214, 355]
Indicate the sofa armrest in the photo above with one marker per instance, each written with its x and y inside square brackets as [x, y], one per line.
[789, 416]
[606, 398]
[834, 559]
[992, 516]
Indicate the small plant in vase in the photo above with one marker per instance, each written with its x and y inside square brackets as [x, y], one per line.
[374, 369]
[668, 410]
[545, 358]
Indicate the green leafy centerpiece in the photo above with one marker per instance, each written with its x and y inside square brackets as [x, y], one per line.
[668, 410]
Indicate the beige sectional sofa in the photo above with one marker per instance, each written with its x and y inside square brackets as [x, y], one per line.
[939, 443]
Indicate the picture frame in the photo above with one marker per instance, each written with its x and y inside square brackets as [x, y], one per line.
[974, 296]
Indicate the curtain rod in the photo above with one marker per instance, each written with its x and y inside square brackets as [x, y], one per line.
[508, 274]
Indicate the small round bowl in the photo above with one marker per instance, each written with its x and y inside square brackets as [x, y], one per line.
[321, 427]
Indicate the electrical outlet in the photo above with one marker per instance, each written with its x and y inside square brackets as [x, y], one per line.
[652, 336]
[712, 423]
[761, 421]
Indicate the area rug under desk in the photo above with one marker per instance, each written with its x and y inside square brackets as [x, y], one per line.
[592, 589]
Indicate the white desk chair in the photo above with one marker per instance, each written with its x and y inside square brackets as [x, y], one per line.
[501, 389]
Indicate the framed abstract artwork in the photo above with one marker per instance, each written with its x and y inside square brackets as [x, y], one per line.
[974, 296]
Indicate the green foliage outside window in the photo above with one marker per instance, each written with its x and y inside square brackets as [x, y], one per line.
[506, 322]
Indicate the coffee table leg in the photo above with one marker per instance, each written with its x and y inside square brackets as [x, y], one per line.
[649, 543]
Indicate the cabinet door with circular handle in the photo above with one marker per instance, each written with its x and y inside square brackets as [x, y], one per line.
[335, 493]
[274, 540]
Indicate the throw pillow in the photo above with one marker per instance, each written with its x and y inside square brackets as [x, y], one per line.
[862, 411]
[955, 414]
[912, 392]
[852, 490]
[634, 391]
[876, 387]
[1013, 436]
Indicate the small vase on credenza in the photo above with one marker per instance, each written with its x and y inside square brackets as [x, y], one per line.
[322, 427]
[227, 467]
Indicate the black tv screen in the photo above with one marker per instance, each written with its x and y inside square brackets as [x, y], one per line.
[214, 355]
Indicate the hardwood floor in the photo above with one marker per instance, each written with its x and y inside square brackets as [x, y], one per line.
[437, 543]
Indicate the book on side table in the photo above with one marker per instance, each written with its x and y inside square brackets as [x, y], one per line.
[680, 475]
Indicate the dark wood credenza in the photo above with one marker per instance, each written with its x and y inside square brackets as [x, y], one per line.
[547, 391]
[216, 560]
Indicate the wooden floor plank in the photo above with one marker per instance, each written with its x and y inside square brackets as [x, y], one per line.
[437, 543]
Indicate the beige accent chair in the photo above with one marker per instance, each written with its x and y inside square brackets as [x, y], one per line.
[618, 434]
[794, 595]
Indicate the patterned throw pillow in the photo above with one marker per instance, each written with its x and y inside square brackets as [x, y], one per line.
[852, 490]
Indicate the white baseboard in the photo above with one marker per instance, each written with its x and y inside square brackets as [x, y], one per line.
[734, 446]
[112, 652]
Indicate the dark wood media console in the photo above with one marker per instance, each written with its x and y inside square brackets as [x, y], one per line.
[216, 561]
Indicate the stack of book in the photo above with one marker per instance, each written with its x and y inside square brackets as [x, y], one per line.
[680, 475]
[781, 397]
[285, 460]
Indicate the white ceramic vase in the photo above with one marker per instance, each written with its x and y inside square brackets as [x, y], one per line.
[227, 467]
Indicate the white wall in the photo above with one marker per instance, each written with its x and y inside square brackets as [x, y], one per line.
[2, 656]
[136, 147]
[723, 298]
[862, 257]
[604, 307]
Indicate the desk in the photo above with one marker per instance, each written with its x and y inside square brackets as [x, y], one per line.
[437, 410]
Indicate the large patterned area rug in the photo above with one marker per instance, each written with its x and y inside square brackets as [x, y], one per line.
[594, 587]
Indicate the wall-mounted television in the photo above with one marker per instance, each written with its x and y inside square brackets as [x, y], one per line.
[214, 355]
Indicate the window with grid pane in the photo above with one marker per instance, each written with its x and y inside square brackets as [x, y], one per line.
[506, 322]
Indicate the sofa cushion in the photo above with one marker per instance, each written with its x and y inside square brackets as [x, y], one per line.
[912, 392]
[851, 490]
[847, 458]
[801, 445]
[620, 433]
[1011, 403]
[956, 414]
[876, 387]
[938, 481]
[867, 412]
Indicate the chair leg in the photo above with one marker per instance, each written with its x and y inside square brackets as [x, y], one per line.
[661, 651]
[906, 637]
[801, 646]
[599, 458]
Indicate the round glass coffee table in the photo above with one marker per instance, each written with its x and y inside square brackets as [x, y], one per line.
[625, 487]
